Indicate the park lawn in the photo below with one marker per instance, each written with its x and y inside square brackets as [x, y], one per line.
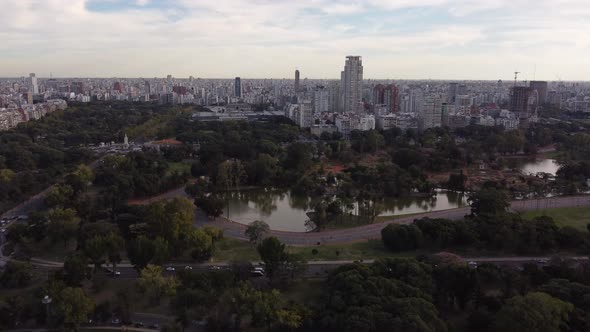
[228, 250]
[369, 249]
[577, 217]
[178, 167]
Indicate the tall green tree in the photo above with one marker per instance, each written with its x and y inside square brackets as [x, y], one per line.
[273, 255]
[256, 231]
[538, 312]
[75, 307]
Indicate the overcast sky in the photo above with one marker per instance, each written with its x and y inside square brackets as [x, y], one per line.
[413, 39]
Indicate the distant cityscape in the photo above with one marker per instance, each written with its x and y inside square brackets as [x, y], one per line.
[324, 106]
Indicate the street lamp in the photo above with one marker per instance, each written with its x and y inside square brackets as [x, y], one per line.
[47, 301]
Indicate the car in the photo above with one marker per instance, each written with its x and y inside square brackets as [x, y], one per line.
[542, 261]
[472, 265]
[257, 272]
[115, 321]
[215, 267]
[138, 324]
[188, 267]
[170, 269]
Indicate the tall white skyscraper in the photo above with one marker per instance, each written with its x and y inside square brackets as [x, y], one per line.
[351, 84]
[33, 83]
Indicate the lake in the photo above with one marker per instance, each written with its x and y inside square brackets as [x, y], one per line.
[532, 167]
[286, 212]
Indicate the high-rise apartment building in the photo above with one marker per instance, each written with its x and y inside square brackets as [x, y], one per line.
[388, 96]
[297, 88]
[238, 87]
[351, 83]
[335, 96]
[431, 114]
[33, 83]
[321, 100]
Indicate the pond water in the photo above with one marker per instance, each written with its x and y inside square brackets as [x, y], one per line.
[286, 212]
[533, 167]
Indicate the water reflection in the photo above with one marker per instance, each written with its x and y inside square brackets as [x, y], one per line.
[534, 166]
[287, 212]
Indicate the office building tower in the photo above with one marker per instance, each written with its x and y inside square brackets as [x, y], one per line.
[519, 103]
[351, 83]
[541, 88]
[297, 88]
[33, 83]
[321, 99]
[118, 86]
[238, 87]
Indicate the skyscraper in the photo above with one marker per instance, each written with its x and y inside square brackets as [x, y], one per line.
[297, 81]
[33, 83]
[351, 82]
[238, 87]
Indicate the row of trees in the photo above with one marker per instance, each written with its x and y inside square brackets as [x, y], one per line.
[489, 227]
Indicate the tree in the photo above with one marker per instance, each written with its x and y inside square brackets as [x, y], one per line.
[201, 244]
[152, 281]
[114, 244]
[489, 202]
[75, 269]
[457, 181]
[256, 231]
[95, 249]
[74, 306]
[62, 224]
[59, 195]
[401, 237]
[211, 205]
[273, 255]
[170, 219]
[16, 275]
[535, 311]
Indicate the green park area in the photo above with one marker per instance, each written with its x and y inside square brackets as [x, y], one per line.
[577, 217]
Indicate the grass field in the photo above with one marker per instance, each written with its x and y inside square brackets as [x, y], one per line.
[577, 217]
[231, 249]
[179, 167]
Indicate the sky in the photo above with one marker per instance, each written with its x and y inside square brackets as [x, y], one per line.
[398, 39]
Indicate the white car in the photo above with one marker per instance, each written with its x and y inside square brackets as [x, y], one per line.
[472, 265]
[188, 267]
[170, 269]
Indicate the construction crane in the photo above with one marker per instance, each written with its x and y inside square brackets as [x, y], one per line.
[516, 76]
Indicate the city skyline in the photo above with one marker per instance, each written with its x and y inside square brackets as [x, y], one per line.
[425, 39]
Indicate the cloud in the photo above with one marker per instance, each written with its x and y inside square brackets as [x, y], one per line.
[212, 38]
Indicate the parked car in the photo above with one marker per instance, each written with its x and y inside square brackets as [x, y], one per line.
[188, 267]
[170, 269]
